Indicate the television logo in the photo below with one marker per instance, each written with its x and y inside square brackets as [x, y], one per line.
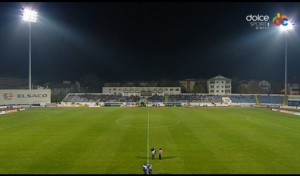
[258, 21]
[8, 96]
[280, 20]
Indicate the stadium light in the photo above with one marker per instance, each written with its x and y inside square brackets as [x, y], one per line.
[29, 16]
[285, 29]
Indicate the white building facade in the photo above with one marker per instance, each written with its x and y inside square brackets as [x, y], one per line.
[294, 89]
[219, 85]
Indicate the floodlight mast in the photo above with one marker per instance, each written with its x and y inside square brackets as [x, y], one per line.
[285, 29]
[31, 17]
[285, 71]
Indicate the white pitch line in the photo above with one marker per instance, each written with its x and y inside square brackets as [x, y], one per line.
[148, 137]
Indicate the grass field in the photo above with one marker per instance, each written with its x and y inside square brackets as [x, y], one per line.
[118, 141]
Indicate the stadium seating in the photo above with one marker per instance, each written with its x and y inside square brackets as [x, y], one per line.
[270, 99]
[180, 98]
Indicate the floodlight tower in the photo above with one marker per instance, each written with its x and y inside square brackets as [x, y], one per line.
[29, 16]
[286, 28]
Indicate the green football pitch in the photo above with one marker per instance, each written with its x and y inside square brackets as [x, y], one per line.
[118, 141]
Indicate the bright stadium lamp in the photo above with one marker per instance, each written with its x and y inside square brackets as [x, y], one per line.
[30, 16]
[286, 28]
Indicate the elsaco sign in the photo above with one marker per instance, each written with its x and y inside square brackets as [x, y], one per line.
[34, 96]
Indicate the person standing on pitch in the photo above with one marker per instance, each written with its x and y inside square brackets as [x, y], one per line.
[149, 168]
[145, 168]
[153, 152]
[160, 153]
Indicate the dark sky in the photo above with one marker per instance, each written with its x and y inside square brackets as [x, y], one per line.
[147, 41]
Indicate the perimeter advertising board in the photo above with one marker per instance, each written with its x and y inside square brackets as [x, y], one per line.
[22, 96]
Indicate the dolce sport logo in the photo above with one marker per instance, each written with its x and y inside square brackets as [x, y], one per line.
[262, 21]
[257, 17]
[258, 21]
[280, 20]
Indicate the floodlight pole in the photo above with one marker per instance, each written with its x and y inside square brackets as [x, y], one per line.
[29, 55]
[29, 16]
[285, 71]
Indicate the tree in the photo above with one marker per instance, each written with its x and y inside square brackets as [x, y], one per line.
[254, 88]
[198, 88]
[242, 89]
[57, 97]
[235, 85]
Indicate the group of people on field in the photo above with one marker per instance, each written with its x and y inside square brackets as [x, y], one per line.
[153, 152]
[147, 169]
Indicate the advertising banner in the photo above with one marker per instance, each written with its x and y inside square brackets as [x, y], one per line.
[21, 96]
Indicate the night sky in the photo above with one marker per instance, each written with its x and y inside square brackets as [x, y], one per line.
[147, 41]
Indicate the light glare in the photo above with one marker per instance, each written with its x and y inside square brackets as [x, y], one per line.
[286, 28]
[30, 15]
